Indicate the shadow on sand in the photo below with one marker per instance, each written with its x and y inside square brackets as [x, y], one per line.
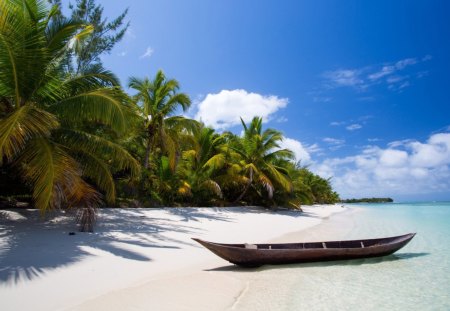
[352, 262]
[30, 245]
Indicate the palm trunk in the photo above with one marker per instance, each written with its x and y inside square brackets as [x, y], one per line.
[147, 154]
[150, 138]
[247, 186]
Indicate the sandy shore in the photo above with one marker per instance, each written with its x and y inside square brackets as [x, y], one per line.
[138, 259]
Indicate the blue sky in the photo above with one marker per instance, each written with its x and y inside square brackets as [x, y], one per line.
[359, 88]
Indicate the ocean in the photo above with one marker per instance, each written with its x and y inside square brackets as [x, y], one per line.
[417, 277]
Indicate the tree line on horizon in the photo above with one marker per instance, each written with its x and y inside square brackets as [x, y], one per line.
[368, 200]
[70, 136]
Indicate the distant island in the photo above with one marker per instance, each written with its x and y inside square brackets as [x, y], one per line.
[368, 200]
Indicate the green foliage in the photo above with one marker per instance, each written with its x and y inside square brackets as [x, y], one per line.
[258, 152]
[103, 37]
[157, 100]
[368, 200]
[47, 114]
[70, 136]
[200, 167]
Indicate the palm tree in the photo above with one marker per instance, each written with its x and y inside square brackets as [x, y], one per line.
[301, 192]
[200, 163]
[45, 112]
[158, 101]
[258, 151]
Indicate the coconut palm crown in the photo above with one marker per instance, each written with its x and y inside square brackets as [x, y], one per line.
[158, 100]
[258, 151]
[45, 112]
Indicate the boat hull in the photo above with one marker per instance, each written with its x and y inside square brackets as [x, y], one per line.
[277, 254]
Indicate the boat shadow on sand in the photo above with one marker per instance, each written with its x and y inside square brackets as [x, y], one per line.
[350, 262]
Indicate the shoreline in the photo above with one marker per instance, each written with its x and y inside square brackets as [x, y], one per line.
[141, 257]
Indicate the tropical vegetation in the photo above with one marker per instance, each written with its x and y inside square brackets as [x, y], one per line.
[368, 200]
[71, 137]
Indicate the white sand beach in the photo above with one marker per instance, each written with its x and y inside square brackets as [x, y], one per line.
[137, 259]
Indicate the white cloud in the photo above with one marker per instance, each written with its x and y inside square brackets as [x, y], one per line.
[122, 54]
[344, 77]
[281, 119]
[353, 127]
[366, 77]
[395, 79]
[386, 70]
[300, 151]
[393, 158]
[407, 167]
[401, 64]
[333, 141]
[224, 109]
[313, 148]
[337, 123]
[148, 52]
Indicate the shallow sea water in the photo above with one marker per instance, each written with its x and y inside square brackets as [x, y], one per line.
[417, 277]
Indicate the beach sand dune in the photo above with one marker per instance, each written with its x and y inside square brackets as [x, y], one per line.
[138, 259]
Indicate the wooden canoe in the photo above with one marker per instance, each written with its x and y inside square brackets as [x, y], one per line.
[254, 255]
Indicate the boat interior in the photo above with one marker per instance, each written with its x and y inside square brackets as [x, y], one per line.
[314, 245]
[317, 245]
[323, 245]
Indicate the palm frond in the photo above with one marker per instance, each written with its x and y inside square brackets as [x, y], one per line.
[55, 176]
[22, 125]
[212, 186]
[185, 190]
[279, 178]
[216, 162]
[267, 184]
[99, 172]
[105, 105]
[101, 147]
[179, 99]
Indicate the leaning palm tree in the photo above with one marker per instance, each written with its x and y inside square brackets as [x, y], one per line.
[258, 151]
[46, 113]
[158, 100]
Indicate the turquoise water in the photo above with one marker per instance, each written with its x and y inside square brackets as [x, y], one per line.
[415, 278]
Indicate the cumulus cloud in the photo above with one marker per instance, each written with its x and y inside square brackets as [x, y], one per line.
[224, 109]
[148, 52]
[300, 151]
[403, 168]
